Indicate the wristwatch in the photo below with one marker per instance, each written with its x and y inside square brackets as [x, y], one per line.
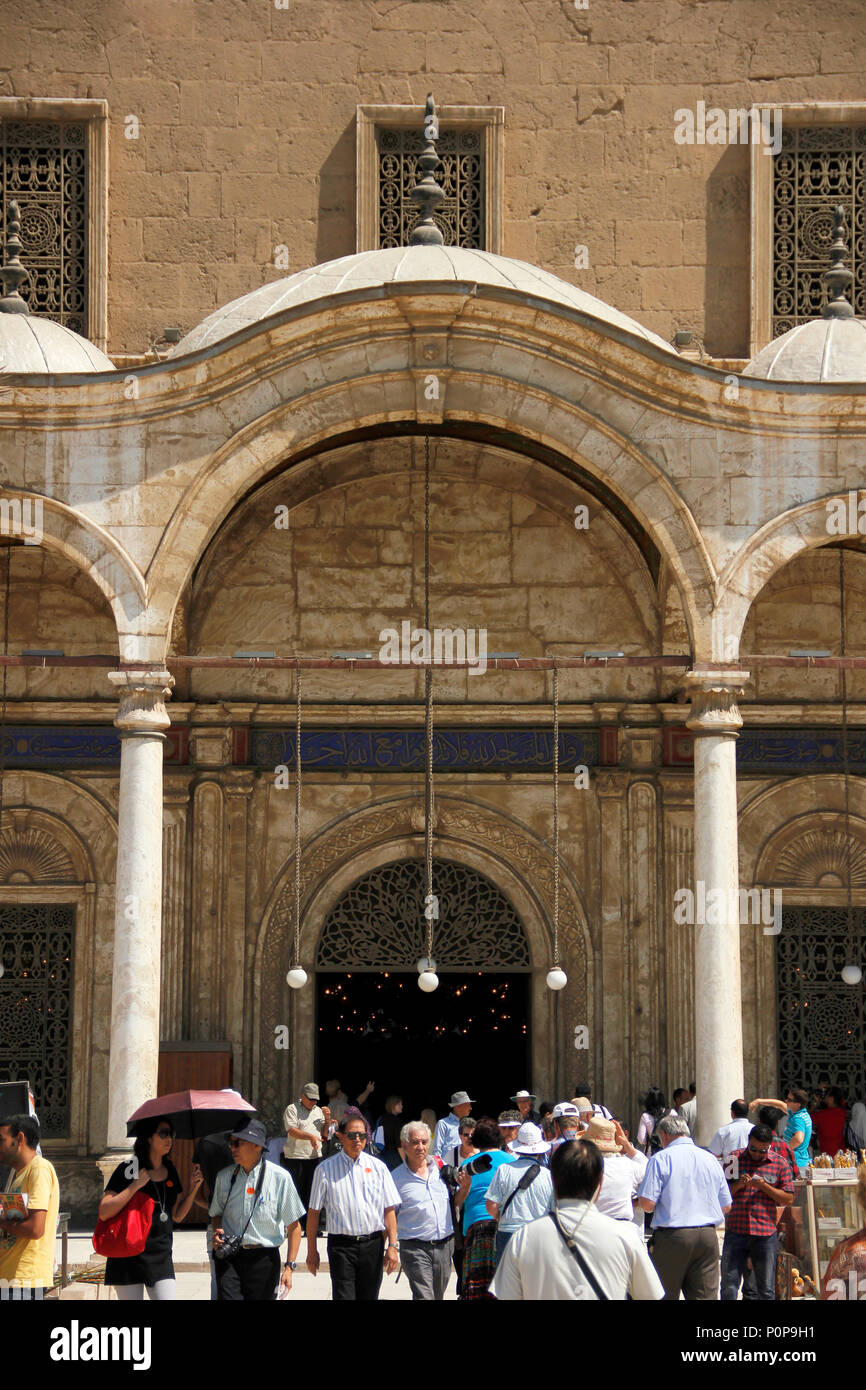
[290, 1264]
[393, 1245]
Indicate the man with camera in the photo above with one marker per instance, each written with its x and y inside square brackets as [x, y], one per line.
[254, 1205]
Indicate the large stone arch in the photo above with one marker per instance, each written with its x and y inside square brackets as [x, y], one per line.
[98, 554]
[58, 846]
[505, 852]
[523, 395]
[773, 546]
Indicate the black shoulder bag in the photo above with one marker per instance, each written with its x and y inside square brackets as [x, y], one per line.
[584, 1267]
[526, 1181]
[232, 1244]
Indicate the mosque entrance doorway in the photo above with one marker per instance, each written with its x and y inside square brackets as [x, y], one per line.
[373, 1023]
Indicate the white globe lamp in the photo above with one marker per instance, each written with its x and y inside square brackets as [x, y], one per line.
[428, 980]
[297, 977]
[852, 974]
[556, 979]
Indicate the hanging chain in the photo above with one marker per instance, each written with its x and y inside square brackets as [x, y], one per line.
[296, 954]
[843, 623]
[555, 816]
[428, 721]
[3, 680]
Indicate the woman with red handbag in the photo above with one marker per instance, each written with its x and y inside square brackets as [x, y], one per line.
[142, 1200]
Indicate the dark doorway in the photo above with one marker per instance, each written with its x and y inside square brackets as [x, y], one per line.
[471, 1034]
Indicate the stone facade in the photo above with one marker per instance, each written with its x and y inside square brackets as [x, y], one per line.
[707, 516]
[244, 124]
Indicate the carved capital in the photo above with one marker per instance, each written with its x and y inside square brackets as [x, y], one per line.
[142, 696]
[611, 784]
[714, 702]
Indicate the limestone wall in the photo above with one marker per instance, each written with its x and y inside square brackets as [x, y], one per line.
[246, 135]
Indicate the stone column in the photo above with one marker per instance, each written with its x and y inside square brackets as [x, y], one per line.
[613, 1057]
[715, 721]
[134, 1056]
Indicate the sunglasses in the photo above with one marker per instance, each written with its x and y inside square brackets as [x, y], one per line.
[357, 1134]
[233, 1143]
[164, 1134]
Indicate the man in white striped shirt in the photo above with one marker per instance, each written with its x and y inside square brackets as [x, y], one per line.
[360, 1198]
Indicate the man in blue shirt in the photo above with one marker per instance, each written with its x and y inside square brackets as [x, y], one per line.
[258, 1202]
[510, 1206]
[447, 1135]
[685, 1189]
[424, 1226]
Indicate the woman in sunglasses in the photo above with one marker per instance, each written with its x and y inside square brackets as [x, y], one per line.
[149, 1169]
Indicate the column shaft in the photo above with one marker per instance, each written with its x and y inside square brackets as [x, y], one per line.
[134, 1056]
[718, 1008]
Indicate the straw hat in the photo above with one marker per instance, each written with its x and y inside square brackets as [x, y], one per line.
[603, 1134]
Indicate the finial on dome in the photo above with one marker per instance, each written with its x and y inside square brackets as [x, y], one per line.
[838, 278]
[13, 272]
[427, 195]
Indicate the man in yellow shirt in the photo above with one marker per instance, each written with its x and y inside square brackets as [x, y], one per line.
[27, 1246]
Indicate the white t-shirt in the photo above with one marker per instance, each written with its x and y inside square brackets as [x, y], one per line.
[622, 1178]
[537, 1264]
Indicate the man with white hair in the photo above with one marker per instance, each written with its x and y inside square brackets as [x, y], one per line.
[685, 1189]
[424, 1227]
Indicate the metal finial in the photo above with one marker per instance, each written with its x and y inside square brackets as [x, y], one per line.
[838, 278]
[427, 195]
[13, 272]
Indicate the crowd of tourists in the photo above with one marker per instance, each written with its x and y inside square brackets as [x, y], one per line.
[545, 1201]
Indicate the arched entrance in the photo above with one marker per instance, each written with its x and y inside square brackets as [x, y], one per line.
[372, 1021]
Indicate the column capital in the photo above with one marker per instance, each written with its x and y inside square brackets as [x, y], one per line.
[713, 696]
[141, 705]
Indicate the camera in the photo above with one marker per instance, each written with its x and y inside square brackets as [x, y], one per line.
[450, 1173]
[227, 1249]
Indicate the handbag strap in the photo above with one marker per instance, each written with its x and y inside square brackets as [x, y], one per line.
[526, 1181]
[584, 1267]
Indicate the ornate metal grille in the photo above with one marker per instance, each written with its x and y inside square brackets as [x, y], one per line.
[461, 216]
[821, 1031]
[815, 170]
[36, 949]
[377, 924]
[44, 167]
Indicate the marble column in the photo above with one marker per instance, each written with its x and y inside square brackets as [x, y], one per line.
[715, 720]
[134, 1055]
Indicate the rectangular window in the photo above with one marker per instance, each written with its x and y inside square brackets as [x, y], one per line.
[470, 146]
[821, 164]
[53, 163]
[36, 949]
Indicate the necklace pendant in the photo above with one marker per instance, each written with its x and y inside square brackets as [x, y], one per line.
[163, 1216]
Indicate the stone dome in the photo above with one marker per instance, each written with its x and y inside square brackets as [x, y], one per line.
[29, 344]
[826, 349]
[371, 269]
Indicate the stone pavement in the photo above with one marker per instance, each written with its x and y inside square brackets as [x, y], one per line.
[193, 1275]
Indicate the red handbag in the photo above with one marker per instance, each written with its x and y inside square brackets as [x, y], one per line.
[126, 1233]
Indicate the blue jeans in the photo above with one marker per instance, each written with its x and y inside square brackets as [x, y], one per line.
[761, 1250]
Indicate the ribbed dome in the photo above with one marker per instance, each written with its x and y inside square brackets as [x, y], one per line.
[29, 344]
[826, 349]
[369, 269]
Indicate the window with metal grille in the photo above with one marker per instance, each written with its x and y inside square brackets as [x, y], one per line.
[821, 1030]
[460, 217]
[44, 168]
[816, 170]
[36, 951]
